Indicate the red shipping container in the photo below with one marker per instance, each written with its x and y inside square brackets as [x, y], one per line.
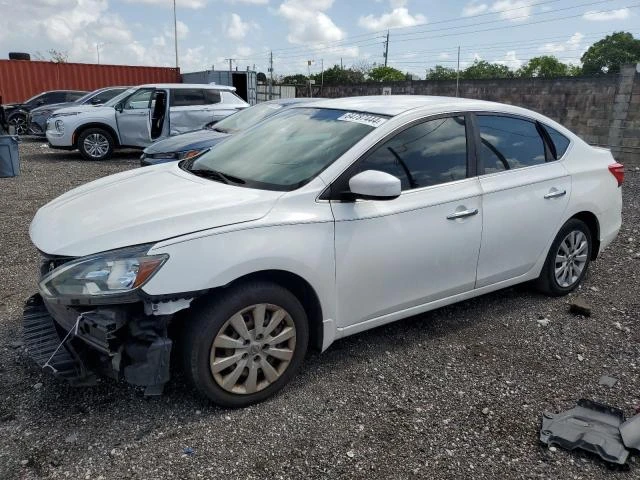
[22, 79]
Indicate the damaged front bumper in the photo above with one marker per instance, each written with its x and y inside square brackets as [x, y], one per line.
[128, 341]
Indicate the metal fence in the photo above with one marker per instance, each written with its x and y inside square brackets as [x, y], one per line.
[277, 92]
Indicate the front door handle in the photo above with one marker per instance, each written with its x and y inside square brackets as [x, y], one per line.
[462, 214]
[555, 194]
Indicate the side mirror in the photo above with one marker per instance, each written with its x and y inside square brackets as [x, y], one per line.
[119, 107]
[96, 101]
[375, 185]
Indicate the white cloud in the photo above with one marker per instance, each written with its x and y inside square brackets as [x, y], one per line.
[193, 4]
[511, 60]
[249, 2]
[575, 40]
[308, 23]
[572, 44]
[399, 17]
[516, 10]
[237, 29]
[605, 16]
[474, 8]
[444, 55]
[398, 3]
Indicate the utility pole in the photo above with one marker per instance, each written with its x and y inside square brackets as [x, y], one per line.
[309, 70]
[386, 49]
[98, 51]
[175, 31]
[322, 76]
[271, 75]
[341, 67]
[458, 74]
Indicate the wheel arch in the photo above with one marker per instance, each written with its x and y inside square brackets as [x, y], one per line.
[85, 126]
[590, 219]
[302, 290]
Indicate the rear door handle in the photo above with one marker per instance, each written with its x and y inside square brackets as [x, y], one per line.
[555, 194]
[462, 214]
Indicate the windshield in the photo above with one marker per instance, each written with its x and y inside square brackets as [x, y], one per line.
[286, 150]
[35, 97]
[247, 118]
[118, 98]
[86, 97]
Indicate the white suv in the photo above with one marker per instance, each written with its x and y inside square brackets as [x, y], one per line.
[139, 117]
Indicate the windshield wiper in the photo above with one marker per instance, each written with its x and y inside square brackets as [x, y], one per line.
[221, 130]
[217, 176]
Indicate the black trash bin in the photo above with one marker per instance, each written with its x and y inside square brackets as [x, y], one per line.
[9, 156]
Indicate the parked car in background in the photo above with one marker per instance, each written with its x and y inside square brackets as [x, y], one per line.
[325, 220]
[191, 144]
[140, 116]
[37, 118]
[16, 113]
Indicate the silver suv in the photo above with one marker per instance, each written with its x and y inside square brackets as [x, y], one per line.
[139, 117]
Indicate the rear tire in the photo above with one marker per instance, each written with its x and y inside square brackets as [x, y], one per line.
[95, 144]
[568, 259]
[19, 122]
[226, 356]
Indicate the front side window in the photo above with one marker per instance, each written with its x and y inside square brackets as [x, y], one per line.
[186, 97]
[426, 154]
[138, 100]
[508, 143]
[286, 150]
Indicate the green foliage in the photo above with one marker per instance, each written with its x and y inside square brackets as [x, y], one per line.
[297, 79]
[339, 76]
[441, 73]
[608, 54]
[483, 69]
[545, 66]
[386, 74]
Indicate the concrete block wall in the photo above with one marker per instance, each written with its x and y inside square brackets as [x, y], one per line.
[603, 110]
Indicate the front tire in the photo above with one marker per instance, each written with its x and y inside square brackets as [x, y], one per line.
[95, 144]
[246, 344]
[568, 259]
[19, 122]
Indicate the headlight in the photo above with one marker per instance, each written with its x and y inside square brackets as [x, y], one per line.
[178, 155]
[67, 114]
[111, 273]
[59, 124]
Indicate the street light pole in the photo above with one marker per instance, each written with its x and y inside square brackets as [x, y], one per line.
[175, 31]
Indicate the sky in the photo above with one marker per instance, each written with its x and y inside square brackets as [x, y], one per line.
[422, 33]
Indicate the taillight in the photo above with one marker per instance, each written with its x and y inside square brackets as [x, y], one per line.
[617, 170]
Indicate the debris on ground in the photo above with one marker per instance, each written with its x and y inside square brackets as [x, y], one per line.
[16, 344]
[607, 381]
[593, 427]
[543, 322]
[188, 451]
[579, 306]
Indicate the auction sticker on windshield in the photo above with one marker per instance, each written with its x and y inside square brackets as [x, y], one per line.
[364, 118]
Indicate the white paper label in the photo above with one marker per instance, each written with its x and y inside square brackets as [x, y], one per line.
[364, 118]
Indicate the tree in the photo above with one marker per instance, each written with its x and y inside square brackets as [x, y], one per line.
[483, 69]
[608, 54]
[363, 66]
[56, 56]
[441, 73]
[386, 74]
[297, 79]
[339, 76]
[544, 66]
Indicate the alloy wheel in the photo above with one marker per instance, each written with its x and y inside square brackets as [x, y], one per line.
[96, 145]
[571, 258]
[253, 349]
[20, 124]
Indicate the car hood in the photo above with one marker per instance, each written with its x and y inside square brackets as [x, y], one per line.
[82, 108]
[53, 106]
[142, 206]
[195, 140]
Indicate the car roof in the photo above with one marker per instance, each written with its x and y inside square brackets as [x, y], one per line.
[208, 86]
[396, 104]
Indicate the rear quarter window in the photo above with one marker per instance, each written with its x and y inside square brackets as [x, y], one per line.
[559, 141]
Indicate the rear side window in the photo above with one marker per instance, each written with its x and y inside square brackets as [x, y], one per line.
[426, 154]
[560, 142]
[186, 97]
[230, 97]
[212, 97]
[508, 143]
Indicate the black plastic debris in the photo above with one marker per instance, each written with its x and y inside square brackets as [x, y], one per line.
[589, 426]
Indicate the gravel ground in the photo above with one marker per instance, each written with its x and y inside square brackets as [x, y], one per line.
[455, 393]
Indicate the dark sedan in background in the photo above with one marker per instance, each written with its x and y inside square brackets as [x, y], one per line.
[17, 113]
[192, 144]
[37, 118]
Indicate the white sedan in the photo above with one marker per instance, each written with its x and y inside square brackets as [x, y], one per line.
[325, 220]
